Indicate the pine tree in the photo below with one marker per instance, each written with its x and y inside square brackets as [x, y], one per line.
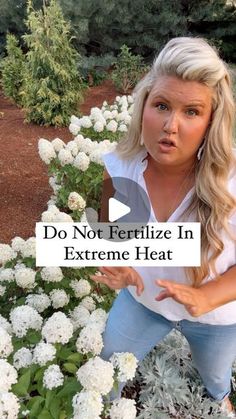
[52, 88]
[13, 69]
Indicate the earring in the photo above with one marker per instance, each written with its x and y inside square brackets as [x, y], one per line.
[141, 140]
[200, 151]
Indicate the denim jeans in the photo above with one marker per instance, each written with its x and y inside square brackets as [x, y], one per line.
[131, 327]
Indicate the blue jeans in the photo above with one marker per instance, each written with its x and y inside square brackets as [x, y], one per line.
[131, 327]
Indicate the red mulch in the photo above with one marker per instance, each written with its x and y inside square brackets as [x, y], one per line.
[24, 189]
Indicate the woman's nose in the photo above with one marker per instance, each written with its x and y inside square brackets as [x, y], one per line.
[171, 124]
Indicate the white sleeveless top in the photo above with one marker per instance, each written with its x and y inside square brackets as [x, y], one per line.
[170, 309]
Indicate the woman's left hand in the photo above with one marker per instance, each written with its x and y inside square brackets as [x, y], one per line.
[194, 299]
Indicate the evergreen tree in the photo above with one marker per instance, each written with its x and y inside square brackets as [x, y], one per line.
[144, 26]
[12, 18]
[52, 88]
[214, 20]
[13, 69]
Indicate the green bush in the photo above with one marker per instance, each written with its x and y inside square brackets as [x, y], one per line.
[93, 69]
[127, 70]
[52, 88]
[13, 69]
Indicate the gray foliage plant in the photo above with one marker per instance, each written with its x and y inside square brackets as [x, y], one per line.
[171, 386]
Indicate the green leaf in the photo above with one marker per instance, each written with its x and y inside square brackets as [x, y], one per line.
[76, 357]
[71, 387]
[34, 406]
[21, 388]
[45, 414]
[70, 367]
[49, 397]
[55, 408]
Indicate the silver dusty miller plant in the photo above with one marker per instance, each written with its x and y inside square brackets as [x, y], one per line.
[170, 385]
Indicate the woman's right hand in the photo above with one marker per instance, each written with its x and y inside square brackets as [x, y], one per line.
[119, 277]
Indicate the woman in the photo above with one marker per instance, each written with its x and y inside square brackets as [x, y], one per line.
[179, 148]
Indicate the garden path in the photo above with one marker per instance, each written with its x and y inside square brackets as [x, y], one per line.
[24, 189]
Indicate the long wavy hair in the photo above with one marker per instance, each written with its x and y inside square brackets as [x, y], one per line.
[194, 59]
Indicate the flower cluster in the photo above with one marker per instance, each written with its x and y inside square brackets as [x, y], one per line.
[109, 118]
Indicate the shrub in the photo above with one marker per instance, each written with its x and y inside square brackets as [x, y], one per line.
[127, 70]
[13, 68]
[53, 87]
[94, 68]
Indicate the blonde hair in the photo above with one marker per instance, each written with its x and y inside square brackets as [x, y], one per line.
[194, 59]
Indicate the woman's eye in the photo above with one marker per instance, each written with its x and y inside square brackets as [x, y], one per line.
[161, 106]
[192, 112]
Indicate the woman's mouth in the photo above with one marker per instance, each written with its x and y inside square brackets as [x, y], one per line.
[166, 144]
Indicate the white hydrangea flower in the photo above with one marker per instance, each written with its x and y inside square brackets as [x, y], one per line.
[29, 248]
[54, 185]
[7, 275]
[46, 150]
[22, 358]
[74, 120]
[122, 128]
[89, 340]
[72, 147]
[85, 122]
[98, 318]
[59, 298]
[8, 375]
[9, 406]
[96, 157]
[123, 409]
[38, 301]
[51, 274]
[114, 113]
[76, 202]
[123, 101]
[5, 324]
[53, 377]
[2, 290]
[117, 99]
[95, 112]
[85, 144]
[25, 278]
[107, 114]
[43, 353]
[24, 318]
[130, 99]
[105, 103]
[98, 126]
[80, 287]
[96, 375]
[6, 347]
[89, 303]
[89, 214]
[87, 405]
[74, 129]
[58, 328]
[126, 363]
[57, 144]
[17, 243]
[65, 157]
[81, 161]
[112, 126]
[79, 317]
[52, 200]
[62, 217]
[50, 215]
[6, 253]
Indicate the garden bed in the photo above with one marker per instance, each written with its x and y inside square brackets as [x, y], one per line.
[24, 189]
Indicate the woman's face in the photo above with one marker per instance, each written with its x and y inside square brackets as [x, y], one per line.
[176, 116]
